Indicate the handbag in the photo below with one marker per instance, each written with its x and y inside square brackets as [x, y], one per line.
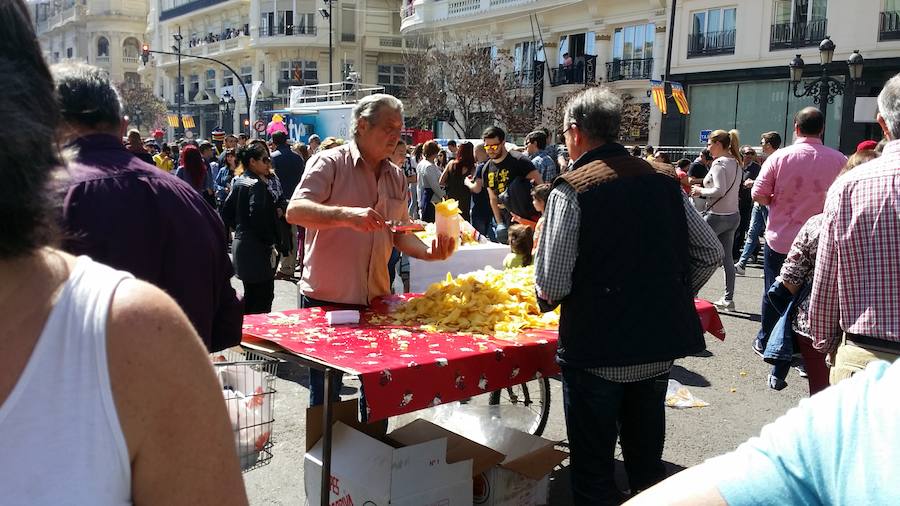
[710, 206]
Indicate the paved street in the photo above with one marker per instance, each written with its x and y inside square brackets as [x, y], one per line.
[729, 377]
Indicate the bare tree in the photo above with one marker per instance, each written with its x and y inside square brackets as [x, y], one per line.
[137, 96]
[461, 86]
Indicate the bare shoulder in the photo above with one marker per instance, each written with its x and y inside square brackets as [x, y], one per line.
[143, 314]
[169, 403]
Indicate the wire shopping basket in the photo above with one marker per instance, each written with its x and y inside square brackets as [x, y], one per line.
[248, 386]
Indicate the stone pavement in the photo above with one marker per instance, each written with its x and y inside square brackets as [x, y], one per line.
[730, 377]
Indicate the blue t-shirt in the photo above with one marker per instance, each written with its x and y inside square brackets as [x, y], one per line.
[837, 447]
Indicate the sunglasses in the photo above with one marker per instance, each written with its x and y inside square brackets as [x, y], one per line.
[491, 147]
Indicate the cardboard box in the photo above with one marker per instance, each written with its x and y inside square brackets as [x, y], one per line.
[420, 464]
[522, 477]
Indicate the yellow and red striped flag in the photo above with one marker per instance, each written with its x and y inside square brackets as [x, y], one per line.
[172, 120]
[188, 121]
[680, 98]
[658, 89]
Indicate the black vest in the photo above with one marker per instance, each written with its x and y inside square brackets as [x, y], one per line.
[631, 300]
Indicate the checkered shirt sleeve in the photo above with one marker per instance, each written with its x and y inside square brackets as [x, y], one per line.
[558, 245]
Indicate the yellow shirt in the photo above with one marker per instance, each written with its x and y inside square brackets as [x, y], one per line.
[163, 162]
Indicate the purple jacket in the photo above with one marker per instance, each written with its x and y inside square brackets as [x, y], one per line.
[132, 216]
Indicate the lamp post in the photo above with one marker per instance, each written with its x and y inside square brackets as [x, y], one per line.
[824, 88]
[179, 93]
[327, 14]
[226, 105]
[138, 117]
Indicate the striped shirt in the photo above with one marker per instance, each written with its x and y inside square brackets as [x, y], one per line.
[558, 250]
[856, 287]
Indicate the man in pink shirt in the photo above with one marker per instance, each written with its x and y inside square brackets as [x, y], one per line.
[344, 200]
[793, 182]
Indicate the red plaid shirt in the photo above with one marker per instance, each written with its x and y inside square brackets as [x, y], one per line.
[857, 277]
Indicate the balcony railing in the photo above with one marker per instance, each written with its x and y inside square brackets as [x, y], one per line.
[795, 35]
[390, 41]
[286, 31]
[348, 37]
[582, 71]
[889, 28]
[102, 60]
[711, 43]
[130, 60]
[620, 70]
[408, 9]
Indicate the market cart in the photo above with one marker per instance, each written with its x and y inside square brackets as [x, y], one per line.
[403, 369]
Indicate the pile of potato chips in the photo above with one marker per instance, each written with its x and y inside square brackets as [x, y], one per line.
[488, 302]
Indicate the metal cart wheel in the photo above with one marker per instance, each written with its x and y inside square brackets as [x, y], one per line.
[528, 405]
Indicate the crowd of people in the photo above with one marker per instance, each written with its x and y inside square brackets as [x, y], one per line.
[117, 257]
[210, 38]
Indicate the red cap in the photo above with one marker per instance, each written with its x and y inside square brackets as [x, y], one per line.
[158, 134]
[864, 145]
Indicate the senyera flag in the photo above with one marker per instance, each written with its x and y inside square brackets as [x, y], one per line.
[658, 89]
[680, 98]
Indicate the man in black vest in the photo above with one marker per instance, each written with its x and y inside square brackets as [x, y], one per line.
[624, 252]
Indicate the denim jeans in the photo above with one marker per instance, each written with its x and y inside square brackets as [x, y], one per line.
[485, 226]
[724, 226]
[772, 261]
[392, 266]
[317, 378]
[758, 218]
[597, 412]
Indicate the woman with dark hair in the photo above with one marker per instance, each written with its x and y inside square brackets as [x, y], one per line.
[250, 210]
[225, 175]
[85, 419]
[192, 170]
[441, 160]
[454, 177]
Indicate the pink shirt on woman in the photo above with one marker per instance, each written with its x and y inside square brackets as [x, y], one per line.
[341, 264]
[797, 179]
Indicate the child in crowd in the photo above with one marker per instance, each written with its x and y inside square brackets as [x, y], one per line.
[521, 242]
[539, 196]
[681, 168]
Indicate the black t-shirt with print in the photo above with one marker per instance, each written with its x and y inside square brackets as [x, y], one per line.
[499, 175]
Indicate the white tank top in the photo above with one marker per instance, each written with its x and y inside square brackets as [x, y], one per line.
[60, 438]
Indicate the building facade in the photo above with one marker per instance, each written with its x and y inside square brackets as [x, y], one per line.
[577, 43]
[281, 43]
[732, 58]
[105, 33]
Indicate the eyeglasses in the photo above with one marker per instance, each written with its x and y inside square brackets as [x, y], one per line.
[265, 159]
[491, 147]
[569, 127]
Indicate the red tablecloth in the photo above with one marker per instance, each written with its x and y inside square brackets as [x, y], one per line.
[404, 370]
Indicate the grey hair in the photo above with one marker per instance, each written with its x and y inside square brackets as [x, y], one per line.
[369, 107]
[86, 97]
[597, 112]
[889, 105]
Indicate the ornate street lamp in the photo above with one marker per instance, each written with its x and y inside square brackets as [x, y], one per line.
[226, 105]
[138, 117]
[824, 88]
